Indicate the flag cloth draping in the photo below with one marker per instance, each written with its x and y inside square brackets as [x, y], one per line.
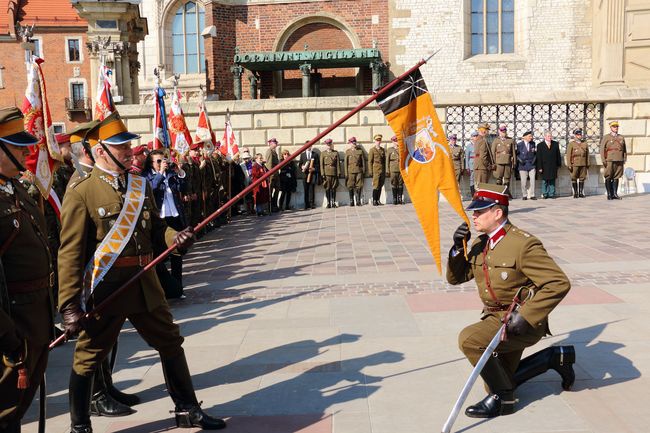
[180, 135]
[161, 133]
[229, 146]
[204, 129]
[38, 122]
[425, 157]
[104, 104]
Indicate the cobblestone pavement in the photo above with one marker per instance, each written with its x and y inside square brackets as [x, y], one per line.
[337, 321]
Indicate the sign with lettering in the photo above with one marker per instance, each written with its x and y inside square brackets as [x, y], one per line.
[282, 60]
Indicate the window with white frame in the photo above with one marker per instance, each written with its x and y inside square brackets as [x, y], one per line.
[73, 49]
[78, 94]
[2, 82]
[187, 42]
[38, 45]
[59, 128]
[493, 26]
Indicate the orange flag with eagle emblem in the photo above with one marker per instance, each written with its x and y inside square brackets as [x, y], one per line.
[425, 157]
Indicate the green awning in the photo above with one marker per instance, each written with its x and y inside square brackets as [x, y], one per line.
[283, 60]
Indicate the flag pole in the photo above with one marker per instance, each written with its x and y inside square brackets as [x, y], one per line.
[116, 294]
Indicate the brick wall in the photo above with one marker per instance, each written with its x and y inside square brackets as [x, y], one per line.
[57, 71]
[236, 28]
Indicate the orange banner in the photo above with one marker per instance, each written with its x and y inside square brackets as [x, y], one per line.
[425, 157]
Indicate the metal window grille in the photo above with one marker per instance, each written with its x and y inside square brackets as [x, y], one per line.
[560, 119]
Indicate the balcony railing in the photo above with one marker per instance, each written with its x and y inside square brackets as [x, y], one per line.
[73, 105]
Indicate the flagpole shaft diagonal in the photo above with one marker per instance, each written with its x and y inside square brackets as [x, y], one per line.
[116, 294]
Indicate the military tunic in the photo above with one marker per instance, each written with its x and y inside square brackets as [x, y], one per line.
[355, 167]
[377, 163]
[194, 207]
[483, 162]
[272, 159]
[458, 158]
[330, 168]
[27, 274]
[503, 151]
[396, 180]
[577, 159]
[614, 154]
[517, 260]
[90, 209]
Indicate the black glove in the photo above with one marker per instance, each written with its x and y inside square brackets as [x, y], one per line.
[72, 315]
[517, 325]
[461, 233]
[11, 342]
[184, 240]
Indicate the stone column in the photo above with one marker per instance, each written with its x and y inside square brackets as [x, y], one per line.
[316, 76]
[306, 79]
[254, 79]
[237, 72]
[612, 20]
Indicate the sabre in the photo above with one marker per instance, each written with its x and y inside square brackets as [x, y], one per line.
[472, 378]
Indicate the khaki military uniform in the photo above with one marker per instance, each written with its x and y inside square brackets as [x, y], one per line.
[577, 159]
[377, 164]
[396, 180]
[503, 151]
[330, 169]
[614, 154]
[483, 162]
[458, 158]
[517, 260]
[355, 167]
[25, 304]
[77, 176]
[90, 208]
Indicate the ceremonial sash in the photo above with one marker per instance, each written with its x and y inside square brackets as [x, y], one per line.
[116, 239]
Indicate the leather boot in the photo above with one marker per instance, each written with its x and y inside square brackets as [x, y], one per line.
[581, 189]
[374, 197]
[351, 192]
[102, 403]
[395, 200]
[333, 195]
[558, 358]
[379, 203]
[12, 427]
[188, 411]
[127, 399]
[329, 200]
[615, 190]
[574, 186]
[501, 400]
[608, 187]
[359, 198]
[79, 400]
[401, 195]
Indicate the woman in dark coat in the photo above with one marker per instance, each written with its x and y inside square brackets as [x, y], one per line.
[261, 192]
[549, 161]
[288, 181]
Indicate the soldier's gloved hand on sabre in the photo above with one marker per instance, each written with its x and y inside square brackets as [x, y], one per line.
[517, 325]
[72, 320]
[461, 233]
[184, 239]
[11, 342]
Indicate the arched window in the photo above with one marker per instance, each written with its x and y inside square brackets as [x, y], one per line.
[187, 42]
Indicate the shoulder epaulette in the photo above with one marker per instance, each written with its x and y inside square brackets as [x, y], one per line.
[79, 180]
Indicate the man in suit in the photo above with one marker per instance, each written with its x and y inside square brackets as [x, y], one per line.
[548, 162]
[526, 164]
[310, 167]
[519, 284]
[271, 160]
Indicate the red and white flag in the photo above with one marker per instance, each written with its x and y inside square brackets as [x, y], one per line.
[229, 146]
[38, 122]
[204, 129]
[178, 131]
[104, 105]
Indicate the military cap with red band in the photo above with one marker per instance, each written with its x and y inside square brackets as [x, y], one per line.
[488, 195]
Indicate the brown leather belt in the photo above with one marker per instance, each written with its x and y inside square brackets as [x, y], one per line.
[15, 287]
[496, 308]
[131, 261]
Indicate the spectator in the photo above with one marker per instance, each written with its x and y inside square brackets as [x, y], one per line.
[261, 193]
[548, 162]
[247, 167]
[288, 181]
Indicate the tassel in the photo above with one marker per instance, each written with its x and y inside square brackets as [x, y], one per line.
[23, 379]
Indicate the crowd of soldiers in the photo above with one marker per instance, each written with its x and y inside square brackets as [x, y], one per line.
[503, 159]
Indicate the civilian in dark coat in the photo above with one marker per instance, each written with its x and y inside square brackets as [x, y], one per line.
[310, 166]
[288, 181]
[526, 165]
[549, 161]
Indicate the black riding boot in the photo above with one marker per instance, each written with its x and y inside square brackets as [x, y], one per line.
[329, 200]
[574, 185]
[359, 197]
[333, 195]
[395, 199]
[103, 403]
[608, 187]
[615, 190]
[188, 411]
[127, 399]
[374, 197]
[79, 399]
[558, 358]
[351, 192]
[401, 195]
[501, 400]
[581, 189]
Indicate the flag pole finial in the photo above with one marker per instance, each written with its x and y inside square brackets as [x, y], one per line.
[431, 55]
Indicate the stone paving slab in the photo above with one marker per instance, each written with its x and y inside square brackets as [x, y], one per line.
[335, 321]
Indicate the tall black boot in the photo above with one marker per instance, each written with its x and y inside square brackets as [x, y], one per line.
[103, 403]
[359, 197]
[501, 400]
[79, 399]
[401, 195]
[127, 399]
[351, 191]
[333, 196]
[395, 200]
[329, 200]
[558, 358]
[615, 190]
[188, 412]
[581, 189]
[608, 187]
[574, 185]
[374, 197]
[12, 427]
